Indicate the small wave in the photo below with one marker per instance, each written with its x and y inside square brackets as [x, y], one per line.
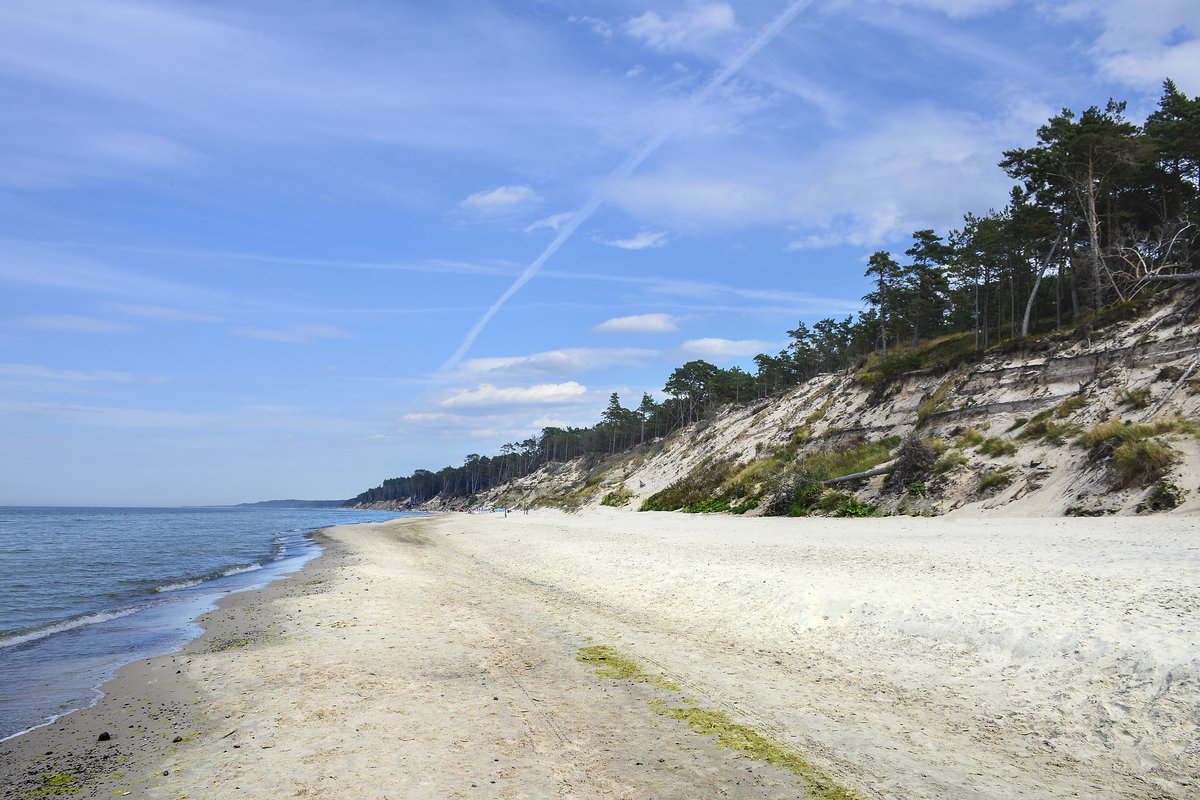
[96, 695]
[240, 570]
[175, 587]
[66, 625]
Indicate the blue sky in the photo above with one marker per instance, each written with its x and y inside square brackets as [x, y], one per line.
[262, 249]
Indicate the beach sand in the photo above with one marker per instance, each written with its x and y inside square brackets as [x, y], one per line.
[905, 658]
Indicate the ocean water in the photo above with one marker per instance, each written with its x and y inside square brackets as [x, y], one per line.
[84, 591]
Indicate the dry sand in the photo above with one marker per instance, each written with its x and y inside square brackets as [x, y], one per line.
[909, 658]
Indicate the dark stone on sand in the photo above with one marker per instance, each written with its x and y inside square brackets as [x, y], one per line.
[177, 740]
[104, 737]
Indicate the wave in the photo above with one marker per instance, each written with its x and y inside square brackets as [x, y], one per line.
[96, 695]
[241, 569]
[20, 637]
[175, 587]
[188, 583]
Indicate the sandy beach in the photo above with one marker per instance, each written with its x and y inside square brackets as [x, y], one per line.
[901, 657]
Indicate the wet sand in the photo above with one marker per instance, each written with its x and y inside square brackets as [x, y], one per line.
[436, 657]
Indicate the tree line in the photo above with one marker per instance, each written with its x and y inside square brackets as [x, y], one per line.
[1101, 210]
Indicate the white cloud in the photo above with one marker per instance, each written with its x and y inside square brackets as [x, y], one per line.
[1143, 41]
[639, 323]
[294, 333]
[598, 26]
[553, 222]
[690, 27]
[427, 417]
[723, 349]
[955, 9]
[916, 167]
[541, 394]
[70, 322]
[641, 241]
[567, 361]
[684, 196]
[499, 200]
[547, 421]
[922, 167]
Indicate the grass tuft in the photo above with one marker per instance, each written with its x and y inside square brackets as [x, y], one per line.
[995, 446]
[996, 479]
[950, 460]
[1142, 462]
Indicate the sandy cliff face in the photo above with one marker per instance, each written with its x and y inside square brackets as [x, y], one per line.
[1006, 428]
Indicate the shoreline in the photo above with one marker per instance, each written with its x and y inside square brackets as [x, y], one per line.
[142, 708]
[438, 656]
[70, 622]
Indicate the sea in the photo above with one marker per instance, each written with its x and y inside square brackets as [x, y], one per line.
[84, 591]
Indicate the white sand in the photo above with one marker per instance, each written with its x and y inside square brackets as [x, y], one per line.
[911, 658]
[923, 657]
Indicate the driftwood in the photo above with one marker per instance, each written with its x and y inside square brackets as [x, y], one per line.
[871, 473]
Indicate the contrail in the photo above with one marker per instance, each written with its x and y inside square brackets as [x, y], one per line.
[626, 169]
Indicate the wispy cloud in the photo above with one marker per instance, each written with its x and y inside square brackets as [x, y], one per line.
[692, 25]
[499, 200]
[1142, 41]
[639, 323]
[487, 395]
[918, 165]
[958, 9]
[598, 26]
[678, 194]
[648, 148]
[249, 418]
[139, 149]
[723, 349]
[73, 323]
[435, 265]
[552, 222]
[761, 299]
[295, 334]
[163, 314]
[39, 264]
[41, 373]
[568, 361]
[641, 241]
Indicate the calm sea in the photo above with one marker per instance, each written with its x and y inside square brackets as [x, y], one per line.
[84, 591]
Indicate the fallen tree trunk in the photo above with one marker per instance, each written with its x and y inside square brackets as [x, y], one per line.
[1178, 276]
[871, 473]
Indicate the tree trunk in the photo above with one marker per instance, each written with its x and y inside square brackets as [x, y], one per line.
[855, 476]
[1058, 290]
[1074, 296]
[1036, 283]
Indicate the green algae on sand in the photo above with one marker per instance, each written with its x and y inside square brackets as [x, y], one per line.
[609, 663]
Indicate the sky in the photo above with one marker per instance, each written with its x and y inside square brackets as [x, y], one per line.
[260, 249]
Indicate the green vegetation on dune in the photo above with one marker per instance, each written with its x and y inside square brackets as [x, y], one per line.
[790, 484]
[1137, 454]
